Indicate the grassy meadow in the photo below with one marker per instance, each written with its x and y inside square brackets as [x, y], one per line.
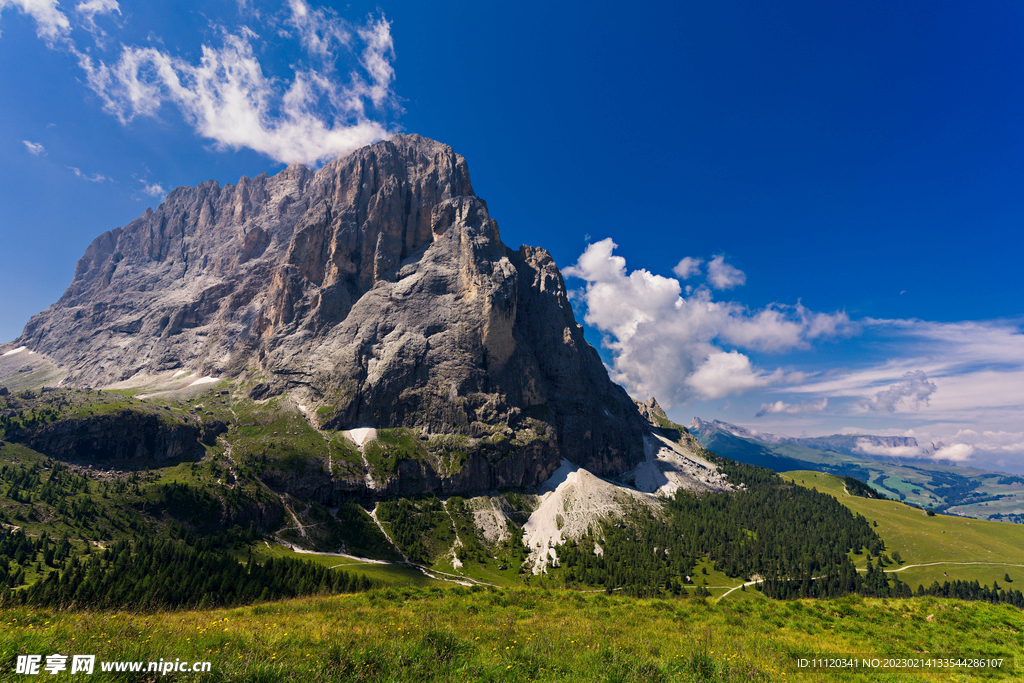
[950, 547]
[527, 634]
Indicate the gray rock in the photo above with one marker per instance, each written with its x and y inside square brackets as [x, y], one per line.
[651, 411]
[377, 290]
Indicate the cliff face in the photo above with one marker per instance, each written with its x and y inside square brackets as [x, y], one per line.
[217, 273]
[376, 290]
[125, 435]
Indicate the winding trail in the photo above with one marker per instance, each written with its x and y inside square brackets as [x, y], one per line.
[932, 564]
[887, 571]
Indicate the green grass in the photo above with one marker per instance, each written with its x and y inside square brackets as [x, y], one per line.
[456, 634]
[921, 539]
[395, 574]
[390, 447]
[270, 436]
[714, 579]
[345, 457]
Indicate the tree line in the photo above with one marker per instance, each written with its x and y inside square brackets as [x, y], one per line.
[166, 574]
[796, 539]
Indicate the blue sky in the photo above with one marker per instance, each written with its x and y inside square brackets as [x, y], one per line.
[845, 181]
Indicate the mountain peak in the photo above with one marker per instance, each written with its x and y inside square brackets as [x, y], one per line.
[376, 290]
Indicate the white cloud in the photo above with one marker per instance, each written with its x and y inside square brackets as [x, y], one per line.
[869, 447]
[957, 452]
[977, 369]
[94, 178]
[992, 441]
[52, 25]
[668, 345]
[914, 390]
[792, 408]
[688, 267]
[90, 9]
[308, 118]
[376, 59]
[957, 383]
[729, 373]
[154, 190]
[228, 98]
[319, 32]
[723, 276]
[34, 147]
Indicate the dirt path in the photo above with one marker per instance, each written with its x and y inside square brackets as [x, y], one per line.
[430, 573]
[887, 571]
[933, 564]
[298, 524]
[748, 583]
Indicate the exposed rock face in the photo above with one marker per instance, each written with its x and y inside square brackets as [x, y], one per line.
[376, 289]
[651, 411]
[125, 435]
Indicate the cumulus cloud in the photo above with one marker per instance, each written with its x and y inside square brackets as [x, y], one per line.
[688, 267]
[94, 178]
[34, 147]
[154, 190]
[52, 25]
[912, 392]
[729, 373]
[957, 452]
[792, 408]
[669, 345]
[723, 276]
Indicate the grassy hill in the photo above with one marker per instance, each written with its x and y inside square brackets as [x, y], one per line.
[457, 634]
[952, 547]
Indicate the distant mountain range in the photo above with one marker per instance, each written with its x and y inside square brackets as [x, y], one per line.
[884, 448]
[895, 466]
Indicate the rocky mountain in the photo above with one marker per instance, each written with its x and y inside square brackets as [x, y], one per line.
[375, 293]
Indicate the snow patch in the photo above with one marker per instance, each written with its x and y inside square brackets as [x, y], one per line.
[205, 380]
[362, 434]
[17, 350]
[179, 373]
[302, 408]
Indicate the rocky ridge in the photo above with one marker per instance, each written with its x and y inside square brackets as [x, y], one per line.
[376, 292]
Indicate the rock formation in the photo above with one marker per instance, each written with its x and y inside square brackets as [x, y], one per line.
[376, 290]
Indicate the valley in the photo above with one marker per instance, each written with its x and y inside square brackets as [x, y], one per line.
[956, 490]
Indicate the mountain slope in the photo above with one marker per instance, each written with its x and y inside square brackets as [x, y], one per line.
[375, 292]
